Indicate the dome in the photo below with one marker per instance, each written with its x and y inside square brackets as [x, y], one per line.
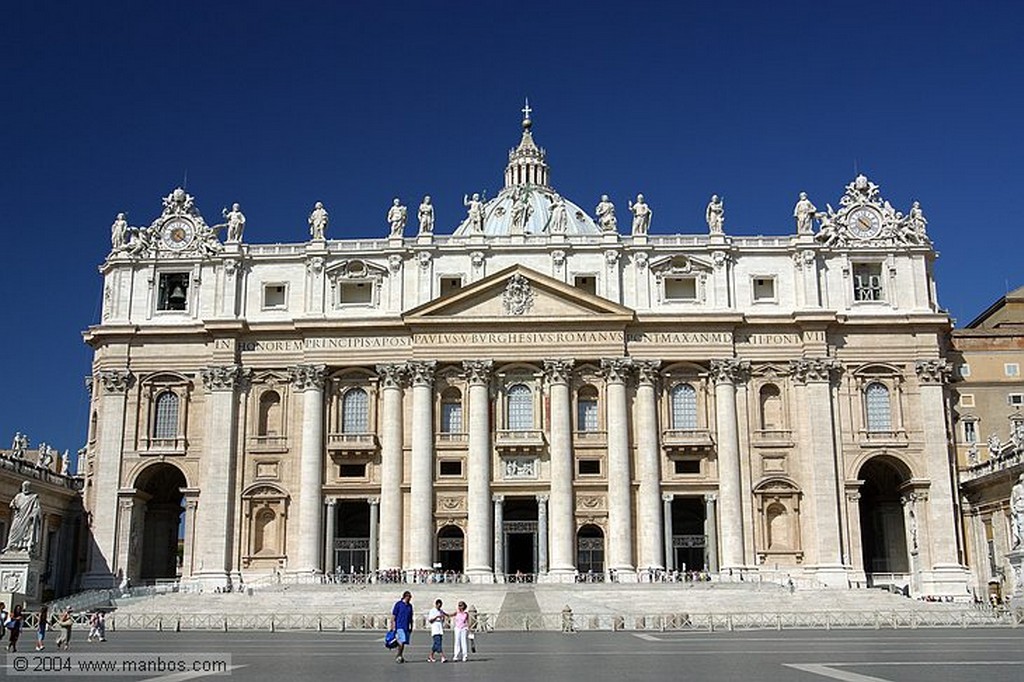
[528, 204]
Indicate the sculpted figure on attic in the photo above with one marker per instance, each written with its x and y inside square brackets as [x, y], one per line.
[606, 215]
[318, 222]
[426, 216]
[397, 216]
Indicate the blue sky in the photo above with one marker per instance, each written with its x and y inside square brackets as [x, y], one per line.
[107, 106]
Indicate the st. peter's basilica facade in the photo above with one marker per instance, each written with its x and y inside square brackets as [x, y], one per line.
[544, 392]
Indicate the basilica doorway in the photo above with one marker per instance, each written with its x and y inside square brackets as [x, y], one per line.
[161, 537]
[689, 539]
[883, 534]
[590, 552]
[450, 545]
[352, 536]
[520, 528]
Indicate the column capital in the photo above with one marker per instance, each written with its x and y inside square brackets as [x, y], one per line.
[372, 501]
[933, 371]
[116, 381]
[478, 371]
[616, 370]
[813, 370]
[647, 371]
[421, 372]
[558, 371]
[307, 377]
[542, 499]
[221, 377]
[330, 501]
[729, 370]
[392, 375]
[497, 499]
[710, 497]
[668, 497]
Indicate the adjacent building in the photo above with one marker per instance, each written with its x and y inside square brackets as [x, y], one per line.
[542, 391]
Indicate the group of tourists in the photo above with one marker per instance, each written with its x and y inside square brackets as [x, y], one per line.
[14, 621]
[400, 634]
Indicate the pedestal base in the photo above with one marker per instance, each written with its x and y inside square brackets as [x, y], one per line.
[947, 580]
[833, 576]
[19, 574]
[480, 577]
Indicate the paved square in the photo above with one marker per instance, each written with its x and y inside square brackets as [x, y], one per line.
[996, 655]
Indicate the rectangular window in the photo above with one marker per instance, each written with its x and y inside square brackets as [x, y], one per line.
[587, 283]
[680, 288]
[1015, 399]
[451, 417]
[687, 466]
[588, 467]
[763, 289]
[970, 432]
[450, 284]
[450, 467]
[274, 296]
[173, 291]
[1012, 369]
[966, 400]
[352, 470]
[867, 282]
[355, 293]
[586, 418]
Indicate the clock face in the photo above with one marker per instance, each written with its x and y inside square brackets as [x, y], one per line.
[177, 234]
[864, 223]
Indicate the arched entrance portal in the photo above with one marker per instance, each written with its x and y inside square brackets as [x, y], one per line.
[163, 529]
[352, 537]
[450, 544]
[590, 552]
[883, 534]
[520, 526]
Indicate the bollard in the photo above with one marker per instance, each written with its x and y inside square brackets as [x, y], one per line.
[177, 624]
[319, 624]
[160, 624]
[272, 624]
[225, 623]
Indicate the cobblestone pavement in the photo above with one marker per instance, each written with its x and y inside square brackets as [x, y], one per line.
[995, 655]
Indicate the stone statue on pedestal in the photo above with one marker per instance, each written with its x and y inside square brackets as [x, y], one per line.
[25, 523]
[804, 212]
[426, 216]
[606, 215]
[119, 233]
[397, 215]
[475, 210]
[1017, 514]
[318, 222]
[236, 224]
[715, 215]
[642, 214]
[559, 216]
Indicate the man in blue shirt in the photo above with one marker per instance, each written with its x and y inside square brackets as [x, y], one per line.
[401, 623]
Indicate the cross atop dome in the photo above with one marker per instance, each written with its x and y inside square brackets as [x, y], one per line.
[526, 163]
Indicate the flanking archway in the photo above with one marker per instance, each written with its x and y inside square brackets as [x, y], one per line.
[161, 537]
[883, 531]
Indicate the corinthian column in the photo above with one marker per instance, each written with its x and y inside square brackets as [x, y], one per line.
[620, 527]
[814, 380]
[561, 512]
[949, 576]
[421, 515]
[726, 373]
[214, 537]
[649, 467]
[114, 386]
[392, 377]
[309, 381]
[478, 545]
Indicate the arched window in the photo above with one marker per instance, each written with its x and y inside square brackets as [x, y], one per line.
[166, 423]
[771, 407]
[520, 408]
[451, 411]
[586, 409]
[270, 414]
[355, 411]
[684, 407]
[879, 410]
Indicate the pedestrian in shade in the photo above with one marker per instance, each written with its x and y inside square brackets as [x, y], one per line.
[44, 621]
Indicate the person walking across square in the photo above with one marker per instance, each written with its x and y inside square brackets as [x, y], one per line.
[460, 623]
[436, 618]
[401, 623]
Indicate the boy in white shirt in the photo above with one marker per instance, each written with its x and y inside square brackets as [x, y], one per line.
[436, 619]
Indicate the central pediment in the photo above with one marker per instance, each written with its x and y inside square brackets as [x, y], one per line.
[518, 292]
